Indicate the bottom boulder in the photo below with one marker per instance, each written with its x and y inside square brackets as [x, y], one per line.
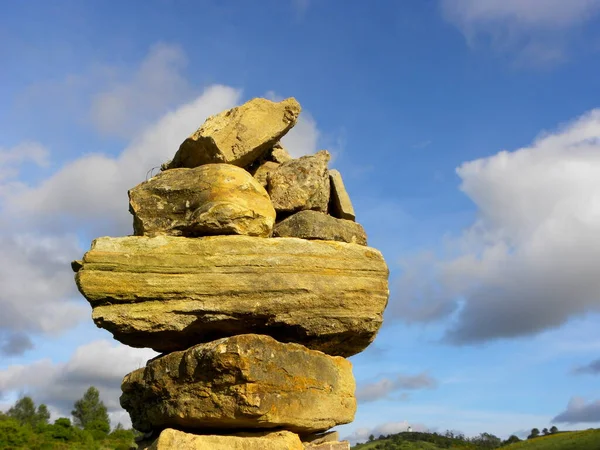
[242, 382]
[171, 439]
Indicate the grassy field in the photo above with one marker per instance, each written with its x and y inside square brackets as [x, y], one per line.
[575, 440]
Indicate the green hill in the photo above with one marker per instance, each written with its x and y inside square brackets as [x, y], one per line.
[570, 440]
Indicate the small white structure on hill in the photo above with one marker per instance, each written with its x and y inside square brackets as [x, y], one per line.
[409, 429]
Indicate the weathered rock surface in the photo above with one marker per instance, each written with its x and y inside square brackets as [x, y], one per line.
[242, 382]
[170, 439]
[238, 136]
[339, 445]
[301, 183]
[279, 154]
[317, 225]
[206, 200]
[340, 204]
[261, 174]
[169, 293]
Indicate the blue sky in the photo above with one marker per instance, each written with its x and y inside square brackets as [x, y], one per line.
[467, 137]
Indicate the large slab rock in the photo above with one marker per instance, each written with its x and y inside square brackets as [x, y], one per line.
[238, 136]
[242, 382]
[340, 205]
[206, 200]
[317, 225]
[300, 184]
[169, 293]
[170, 439]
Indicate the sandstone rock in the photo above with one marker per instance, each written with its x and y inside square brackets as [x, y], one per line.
[340, 204]
[300, 184]
[320, 438]
[318, 225]
[206, 200]
[238, 136]
[279, 154]
[261, 174]
[171, 439]
[169, 293]
[341, 445]
[242, 382]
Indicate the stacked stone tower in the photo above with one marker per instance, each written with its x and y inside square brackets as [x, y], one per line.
[248, 272]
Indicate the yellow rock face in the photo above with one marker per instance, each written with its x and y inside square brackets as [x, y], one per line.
[240, 135]
[170, 439]
[242, 382]
[170, 293]
[207, 200]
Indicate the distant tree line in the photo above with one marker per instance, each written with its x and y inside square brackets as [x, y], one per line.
[25, 426]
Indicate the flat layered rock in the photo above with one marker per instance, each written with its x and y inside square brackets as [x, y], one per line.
[171, 439]
[206, 200]
[238, 136]
[340, 205]
[170, 293]
[242, 382]
[318, 225]
[301, 184]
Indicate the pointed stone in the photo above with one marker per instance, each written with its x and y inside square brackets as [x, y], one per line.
[340, 204]
[238, 136]
[279, 154]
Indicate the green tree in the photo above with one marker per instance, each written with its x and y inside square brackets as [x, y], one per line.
[545, 431]
[511, 440]
[553, 430]
[23, 411]
[42, 416]
[90, 409]
[371, 438]
[534, 433]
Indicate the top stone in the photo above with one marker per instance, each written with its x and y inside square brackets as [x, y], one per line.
[238, 136]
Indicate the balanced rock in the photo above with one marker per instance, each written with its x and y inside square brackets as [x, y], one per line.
[301, 183]
[170, 293]
[238, 136]
[242, 382]
[170, 439]
[206, 200]
[340, 205]
[317, 225]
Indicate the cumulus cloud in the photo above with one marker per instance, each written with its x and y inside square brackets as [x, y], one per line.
[528, 262]
[37, 287]
[536, 28]
[101, 363]
[592, 368]
[13, 158]
[578, 411]
[127, 104]
[91, 190]
[382, 388]
[302, 139]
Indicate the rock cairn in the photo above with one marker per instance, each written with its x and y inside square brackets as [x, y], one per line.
[248, 272]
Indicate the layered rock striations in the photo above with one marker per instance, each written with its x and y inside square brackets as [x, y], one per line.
[248, 271]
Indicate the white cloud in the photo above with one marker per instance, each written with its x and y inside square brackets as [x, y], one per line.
[37, 286]
[125, 106]
[102, 364]
[91, 191]
[26, 152]
[529, 261]
[536, 28]
[382, 388]
[302, 139]
[579, 411]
